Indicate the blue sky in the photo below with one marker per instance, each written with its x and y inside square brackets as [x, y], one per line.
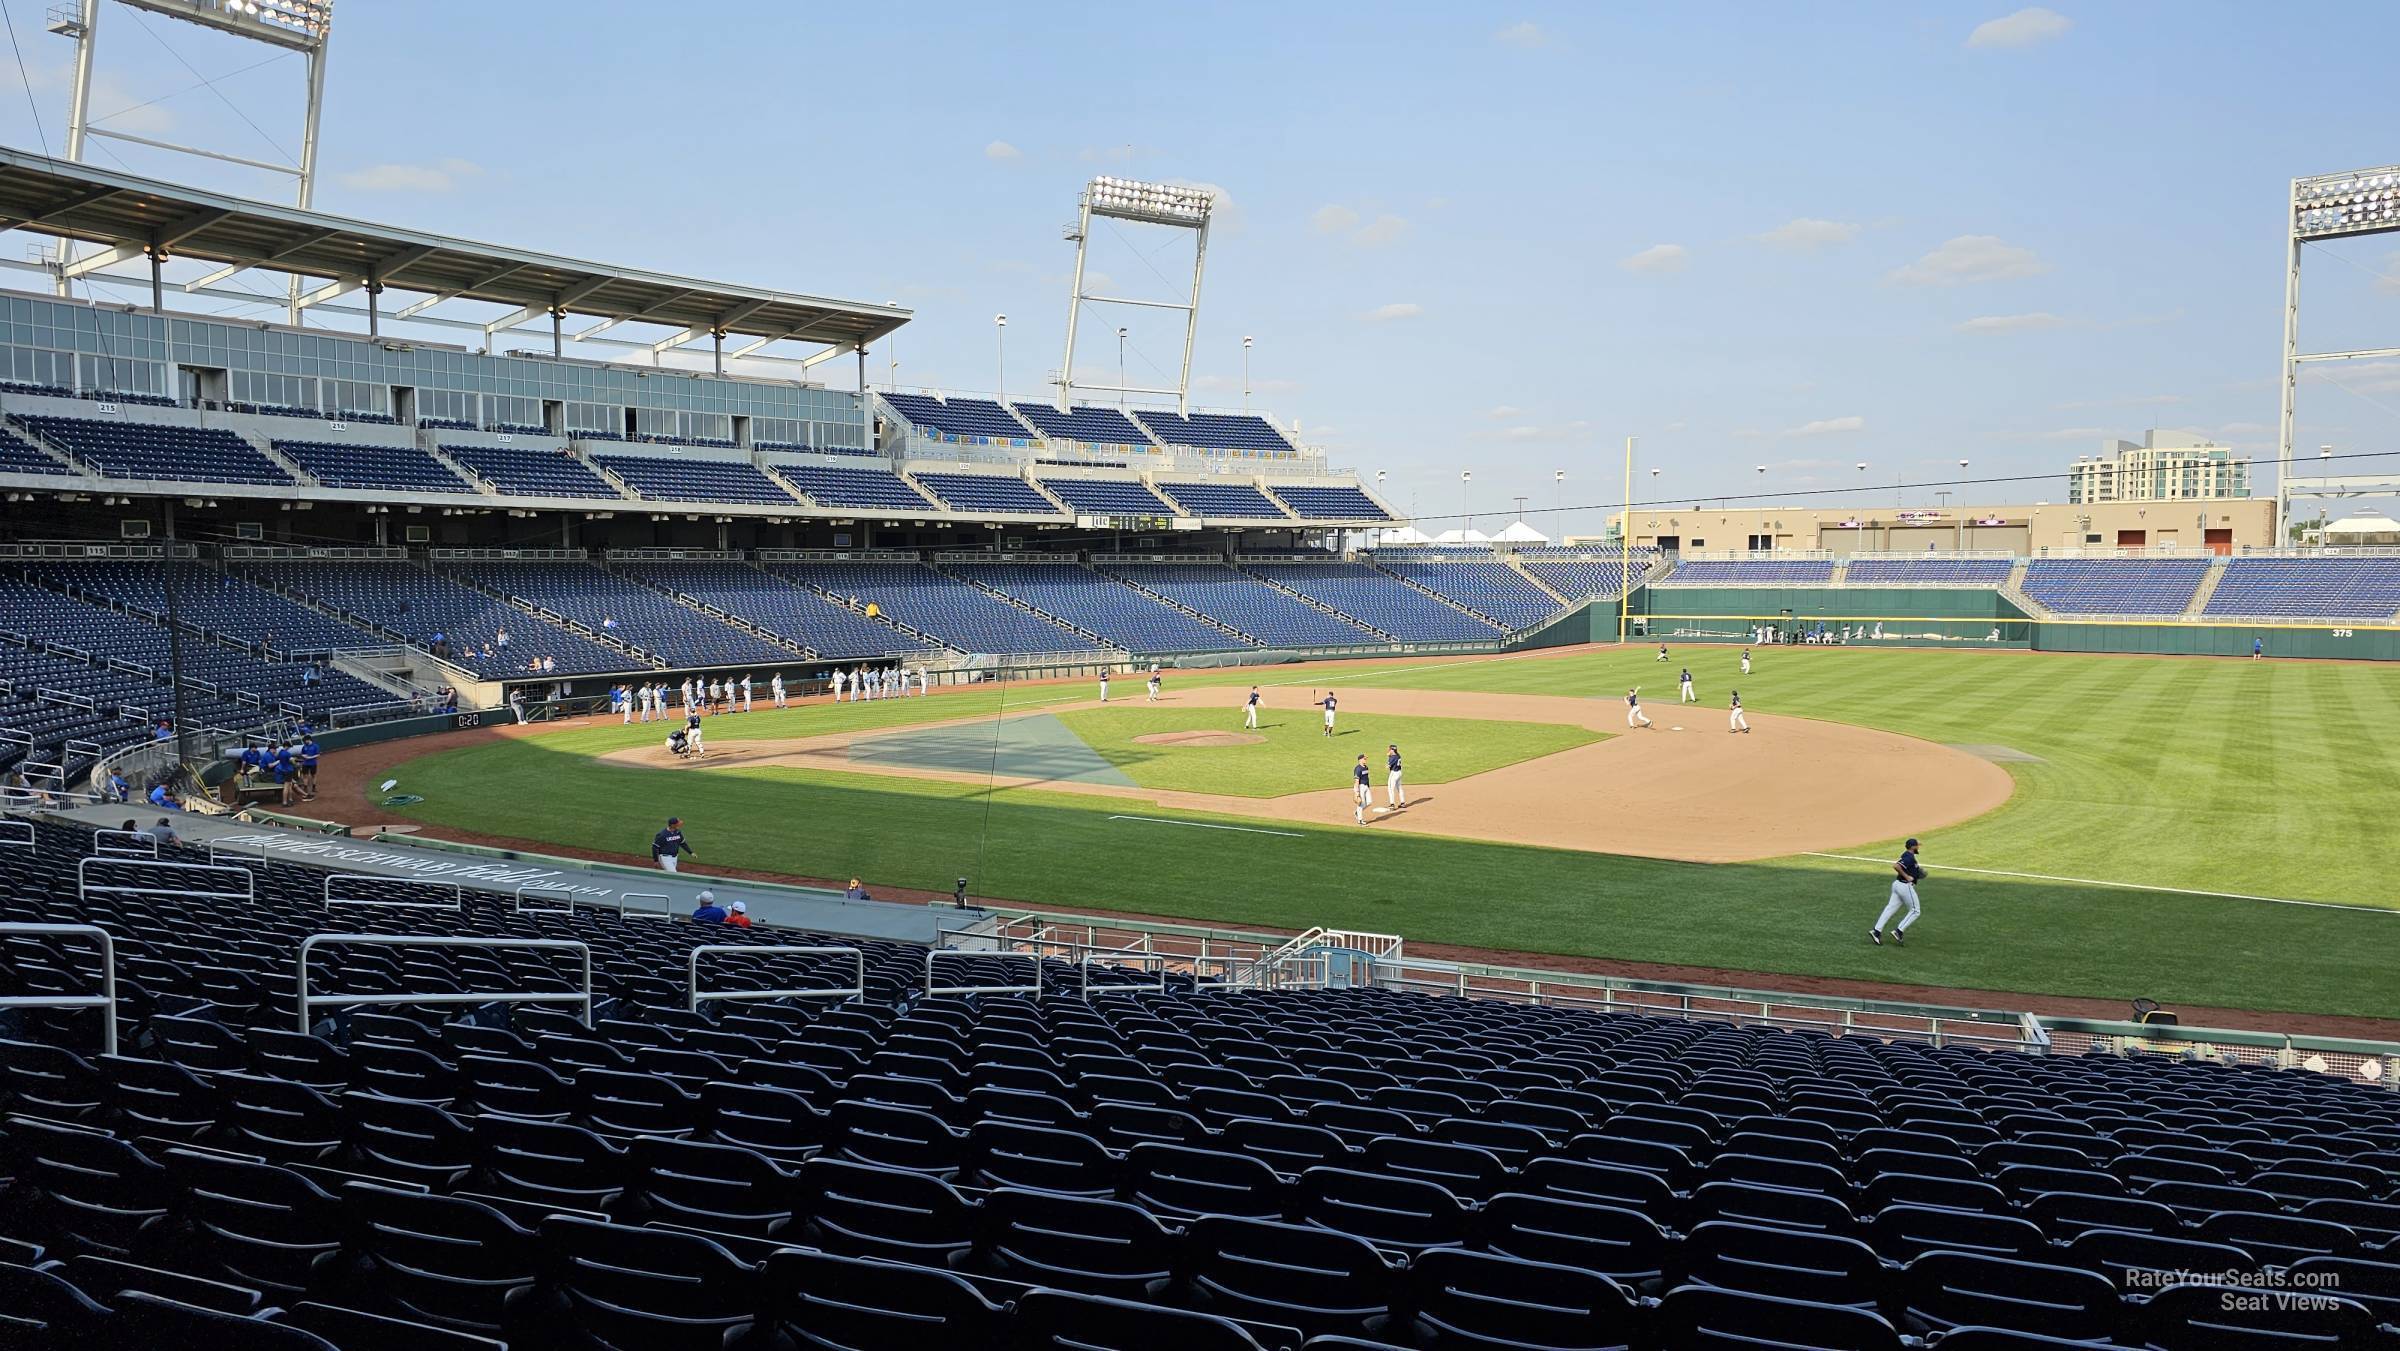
[1462, 237]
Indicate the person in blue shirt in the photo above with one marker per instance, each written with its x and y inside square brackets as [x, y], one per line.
[708, 911]
[1906, 873]
[1393, 794]
[668, 846]
[1361, 793]
[2258, 648]
[160, 797]
[251, 761]
[1250, 710]
[308, 768]
[1330, 706]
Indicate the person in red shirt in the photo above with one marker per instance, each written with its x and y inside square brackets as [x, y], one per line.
[739, 915]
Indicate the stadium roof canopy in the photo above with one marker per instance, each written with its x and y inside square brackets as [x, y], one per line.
[128, 215]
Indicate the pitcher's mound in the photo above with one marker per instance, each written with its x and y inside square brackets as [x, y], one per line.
[1199, 739]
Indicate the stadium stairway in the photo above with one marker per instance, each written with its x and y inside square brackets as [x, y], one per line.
[15, 430]
[1841, 572]
[1171, 603]
[286, 463]
[995, 592]
[1315, 604]
[1453, 603]
[2013, 591]
[1547, 589]
[430, 443]
[2208, 588]
[609, 477]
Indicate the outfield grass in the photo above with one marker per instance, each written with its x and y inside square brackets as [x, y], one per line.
[1297, 756]
[2217, 775]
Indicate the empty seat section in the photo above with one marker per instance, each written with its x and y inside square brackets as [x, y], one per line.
[360, 464]
[125, 448]
[415, 605]
[933, 603]
[1215, 431]
[2121, 586]
[1121, 615]
[19, 456]
[1590, 573]
[2365, 589]
[987, 492]
[843, 486]
[779, 605]
[1229, 501]
[520, 472]
[1486, 586]
[963, 418]
[694, 479]
[1092, 426]
[1263, 613]
[1750, 572]
[1108, 497]
[1378, 601]
[631, 612]
[1933, 571]
[1330, 504]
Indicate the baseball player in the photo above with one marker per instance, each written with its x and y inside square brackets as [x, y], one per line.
[1736, 722]
[839, 679]
[1104, 685]
[1362, 793]
[1906, 873]
[1662, 651]
[1153, 685]
[668, 846]
[1634, 716]
[1330, 706]
[745, 691]
[621, 699]
[1393, 794]
[1688, 696]
[691, 737]
[1745, 661]
[775, 689]
[1250, 710]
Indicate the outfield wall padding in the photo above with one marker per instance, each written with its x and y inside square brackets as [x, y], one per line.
[2170, 638]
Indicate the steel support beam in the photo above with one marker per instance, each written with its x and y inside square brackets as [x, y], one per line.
[232, 269]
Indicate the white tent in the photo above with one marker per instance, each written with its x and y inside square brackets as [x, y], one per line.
[1521, 533]
[1405, 534]
[2367, 528]
[1462, 537]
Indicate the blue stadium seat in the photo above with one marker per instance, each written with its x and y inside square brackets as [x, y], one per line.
[2366, 589]
[1318, 503]
[842, 486]
[1122, 616]
[979, 493]
[1267, 615]
[127, 448]
[694, 479]
[1092, 426]
[959, 417]
[1222, 501]
[2124, 586]
[1376, 600]
[520, 472]
[363, 464]
[1108, 497]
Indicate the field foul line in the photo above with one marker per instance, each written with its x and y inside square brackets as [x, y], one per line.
[1203, 825]
[2127, 886]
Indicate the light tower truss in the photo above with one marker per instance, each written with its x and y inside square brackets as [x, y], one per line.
[1169, 205]
[302, 26]
[2327, 206]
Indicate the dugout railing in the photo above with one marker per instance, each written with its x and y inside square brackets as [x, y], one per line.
[2374, 1063]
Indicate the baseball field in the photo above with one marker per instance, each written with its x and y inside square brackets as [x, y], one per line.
[2210, 833]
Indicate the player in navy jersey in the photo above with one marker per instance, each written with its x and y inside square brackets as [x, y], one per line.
[1393, 794]
[1361, 793]
[1906, 873]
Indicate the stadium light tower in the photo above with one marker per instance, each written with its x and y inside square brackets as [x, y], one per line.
[1170, 205]
[2327, 206]
[302, 26]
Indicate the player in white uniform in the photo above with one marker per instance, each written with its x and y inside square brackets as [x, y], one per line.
[1330, 705]
[1250, 709]
[1736, 722]
[1153, 685]
[1688, 696]
[1362, 794]
[745, 691]
[1393, 794]
[1104, 686]
[1634, 716]
[839, 679]
[1906, 873]
[775, 689]
[1745, 661]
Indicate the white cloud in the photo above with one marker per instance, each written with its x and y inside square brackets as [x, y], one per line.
[1971, 258]
[1506, 410]
[2076, 434]
[1675, 426]
[1541, 432]
[1829, 426]
[2012, 323]
[1524, 33]
[2357, 377]
[1109, 154]
[441, 176]
[1401, 309]
[2025, 28]
[113, 105]
[1380, 231]
[1657, 258]
[2135, 401]
[1807, 234]
[2390, 278]
[1332, 220]
[1002, 151]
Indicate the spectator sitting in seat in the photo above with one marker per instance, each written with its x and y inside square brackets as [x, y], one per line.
[160, 797]
[116, 789]
[708, 911]
[739, 915]
[857, 891]
[164, 834]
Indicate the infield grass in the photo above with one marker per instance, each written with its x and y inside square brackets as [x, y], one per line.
[1296, 755]
[2217, 775]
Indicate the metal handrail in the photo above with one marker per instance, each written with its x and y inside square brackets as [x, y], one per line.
[8, 838]
[666, 903]
[1034, 989]
[458, 894]
[125, 843]
[85, 887]
[697, 995]
[583, 950]
[541, 890]
[105, 1001]
[1155, 962]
